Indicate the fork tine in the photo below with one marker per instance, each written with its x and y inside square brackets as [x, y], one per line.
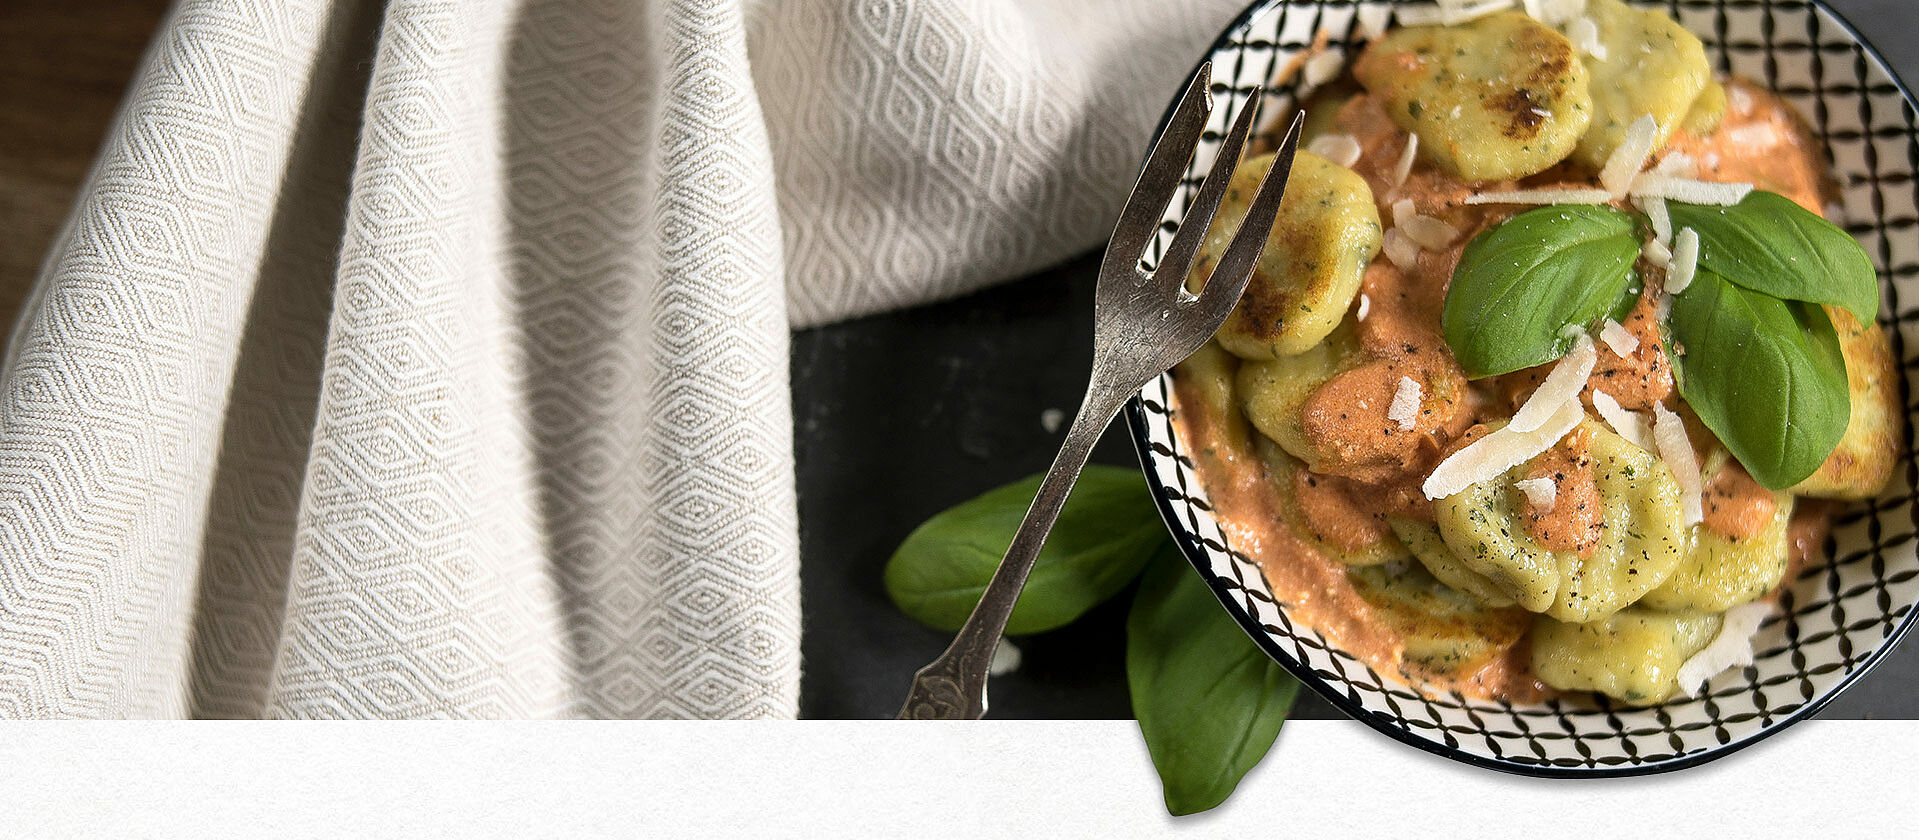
[1235, 267]
[1178, 260]
[1140, 219]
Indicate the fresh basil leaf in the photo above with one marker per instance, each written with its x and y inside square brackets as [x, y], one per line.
[1520, 284]
[1768, 243]
[1628, 298]
[1209, 701]
[1104, 536]
[1765, 375]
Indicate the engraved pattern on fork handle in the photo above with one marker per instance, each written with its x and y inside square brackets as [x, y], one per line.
[953, 687]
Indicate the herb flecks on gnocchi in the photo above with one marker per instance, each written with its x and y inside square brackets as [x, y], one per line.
[1639, 541]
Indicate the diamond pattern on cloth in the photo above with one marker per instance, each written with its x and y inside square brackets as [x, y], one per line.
[429, 359]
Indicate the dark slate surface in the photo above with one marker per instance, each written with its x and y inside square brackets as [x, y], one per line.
[902, 415]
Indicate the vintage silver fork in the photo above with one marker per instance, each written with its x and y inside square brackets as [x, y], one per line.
[1142, 325]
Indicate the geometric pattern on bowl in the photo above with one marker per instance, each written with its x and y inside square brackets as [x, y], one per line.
[1836, 618]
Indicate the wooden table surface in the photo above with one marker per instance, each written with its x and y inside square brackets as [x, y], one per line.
[63, 69]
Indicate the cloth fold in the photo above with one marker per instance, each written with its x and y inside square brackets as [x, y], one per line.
[429, 358]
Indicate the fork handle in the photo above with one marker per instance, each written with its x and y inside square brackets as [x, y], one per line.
[953, 687]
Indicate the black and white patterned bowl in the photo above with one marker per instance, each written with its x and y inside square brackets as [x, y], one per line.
[1837, 619]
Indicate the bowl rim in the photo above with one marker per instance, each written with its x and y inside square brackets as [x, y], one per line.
[1196, 553]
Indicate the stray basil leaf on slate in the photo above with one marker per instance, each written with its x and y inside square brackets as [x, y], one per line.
[1768, 243]
[1519, 285]
[1105, 534]
[1765, 375]
[1209, 702]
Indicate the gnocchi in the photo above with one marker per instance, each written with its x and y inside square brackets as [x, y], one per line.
[1500, 98]
[1273, 393]
[1285, 470]
[1721, 572]
[1633, 655]
[1641, 538]
[1652, 66]
[1442, 631]
[1327, 233]
[1213, 371]
[1708, 111]
[1431, 550]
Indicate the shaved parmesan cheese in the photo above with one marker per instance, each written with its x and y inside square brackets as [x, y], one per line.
[1341, 149]
[1498, 452]
[1689, 190]
[1630, 155]
[1420, 14]
[1542, 492]
[1403, 209]
[1556, 12]
[1562, 386]
[1405, 407]
[1431, 234]
[1656, 253]
[1685, 261]
[1676, 450]
[1739, 99]
[1677, 164]
[1541, 197]
[1620, 339]
[1365, 306]
[1322, 68]
[1585, 35]
[1630, 425]
[1532, 8]
[1403, 251]
[1731, 648]
[1662, 308]
[1656, 213]
[1405, 165]
[1372, 20]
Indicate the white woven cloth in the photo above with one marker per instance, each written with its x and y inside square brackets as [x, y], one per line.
[429, 358]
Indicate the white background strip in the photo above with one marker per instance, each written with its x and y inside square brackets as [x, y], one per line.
[868, 779]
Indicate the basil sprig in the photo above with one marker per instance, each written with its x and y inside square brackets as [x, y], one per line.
[1754, 353]
[1103, 538]
[1519, 285]
[1209, 701]
[1766, 375]
[1768, 243]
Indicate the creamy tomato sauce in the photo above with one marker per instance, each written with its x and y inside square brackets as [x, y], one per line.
[1371, 466]
[1735, 505]
[1572, 522]
[1314, 590]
